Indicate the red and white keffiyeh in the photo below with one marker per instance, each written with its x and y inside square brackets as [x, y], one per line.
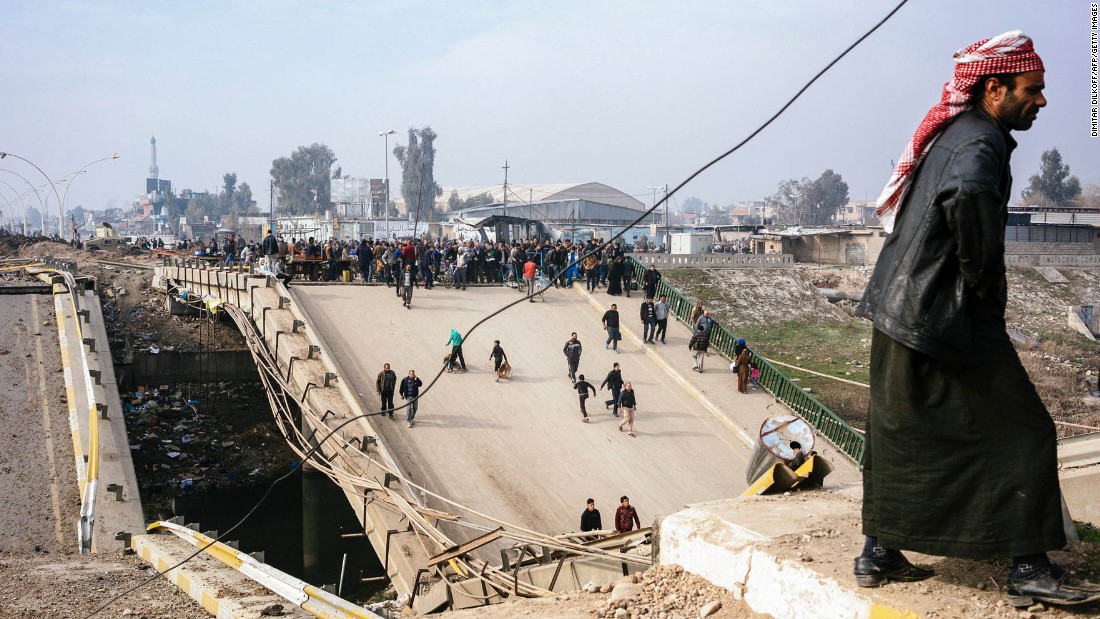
[1011, 52]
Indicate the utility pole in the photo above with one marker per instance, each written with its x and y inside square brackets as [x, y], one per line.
[668, 232]
[504, 208]
[386, 183]
[271, 193]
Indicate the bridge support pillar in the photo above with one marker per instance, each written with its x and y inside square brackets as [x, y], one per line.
[313, 518]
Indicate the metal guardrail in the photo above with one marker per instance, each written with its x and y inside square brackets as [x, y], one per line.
[86, 525]
[846, 439]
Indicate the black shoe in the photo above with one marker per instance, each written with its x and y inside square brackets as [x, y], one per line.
[876, 571]
[1052, 585]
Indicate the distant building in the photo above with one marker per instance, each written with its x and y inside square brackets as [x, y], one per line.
[853, 247]
[857, 212]
[529, 194]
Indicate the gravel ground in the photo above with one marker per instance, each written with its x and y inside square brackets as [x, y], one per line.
[664, 592]
[38, 484]
[51, 585]
[41, 576]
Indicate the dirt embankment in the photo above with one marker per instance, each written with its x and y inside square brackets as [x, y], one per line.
[783, 315]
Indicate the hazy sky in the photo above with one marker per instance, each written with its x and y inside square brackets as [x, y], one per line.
[625, 93]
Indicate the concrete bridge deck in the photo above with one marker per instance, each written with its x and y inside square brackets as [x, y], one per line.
[517, 449]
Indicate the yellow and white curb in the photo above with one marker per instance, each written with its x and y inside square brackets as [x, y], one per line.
[730, 556]
[203, 585]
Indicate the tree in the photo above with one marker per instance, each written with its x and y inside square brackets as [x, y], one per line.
[454, 203]
[1052, 184]
[813, 203]
[302, 180]
[243, 198]
[1089, 198]
[195, 212]
[717, 216]
[784, 204]
[418, 185]
[826, 194]
[693, 205]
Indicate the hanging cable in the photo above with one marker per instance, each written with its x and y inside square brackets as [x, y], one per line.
[314, 449]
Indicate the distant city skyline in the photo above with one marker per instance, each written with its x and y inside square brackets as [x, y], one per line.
[632, 95]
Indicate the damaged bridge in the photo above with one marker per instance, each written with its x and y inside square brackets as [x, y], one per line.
[481, 500]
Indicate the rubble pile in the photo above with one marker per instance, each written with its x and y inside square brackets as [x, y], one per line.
[201, 437]
[666, 592]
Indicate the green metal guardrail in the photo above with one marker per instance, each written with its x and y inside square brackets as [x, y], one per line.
[850, 442]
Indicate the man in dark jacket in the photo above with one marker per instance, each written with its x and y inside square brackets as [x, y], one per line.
[700, 341]
[611, 325]
[647, 313]
[410, 390]
[583, 388]
[572, 352]
[948, 390]
[270, 249]
[366, 260]
[628, 404]
[590, 517]
[384, 385]
[614, 382]
[651, 278]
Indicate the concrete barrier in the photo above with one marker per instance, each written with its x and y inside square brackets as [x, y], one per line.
[728, 543]
[717, 261]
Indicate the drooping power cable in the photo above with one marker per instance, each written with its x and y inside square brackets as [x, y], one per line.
[313, 451]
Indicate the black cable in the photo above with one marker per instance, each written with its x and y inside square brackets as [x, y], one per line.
[507, 306]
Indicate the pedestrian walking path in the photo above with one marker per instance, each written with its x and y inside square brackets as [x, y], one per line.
[517, 449]
[716, 386]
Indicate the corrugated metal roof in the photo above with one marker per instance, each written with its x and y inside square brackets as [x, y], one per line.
[547, 192]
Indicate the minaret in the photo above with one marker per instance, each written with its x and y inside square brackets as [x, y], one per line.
[154, 171]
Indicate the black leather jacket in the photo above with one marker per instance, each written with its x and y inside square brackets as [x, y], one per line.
[944, 260]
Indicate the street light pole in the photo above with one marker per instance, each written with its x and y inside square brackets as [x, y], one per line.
[665, 189]
[60, 223]
[21, 201]
[386, 182]
[70, 184]
[41, 205]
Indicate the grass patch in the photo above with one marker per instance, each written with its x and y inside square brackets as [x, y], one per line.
[835, 348]
[1088, 533]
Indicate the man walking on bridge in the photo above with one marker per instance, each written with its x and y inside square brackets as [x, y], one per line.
[498, 358]
[651, 278]
[661, 308]
[647, 313]
[698, 345]
[626, 516]
[948, 391]
[583, 387]
[572, 351]
[611, 325]
[590, 517]
[614, 382]
[410, 390]
[384, 384]
[628, 403]
[271, 249]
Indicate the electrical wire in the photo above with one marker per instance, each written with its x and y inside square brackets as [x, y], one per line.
[313, 451]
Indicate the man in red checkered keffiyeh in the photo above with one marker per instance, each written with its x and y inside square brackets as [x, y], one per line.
[1008, 53]
[960, 452]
